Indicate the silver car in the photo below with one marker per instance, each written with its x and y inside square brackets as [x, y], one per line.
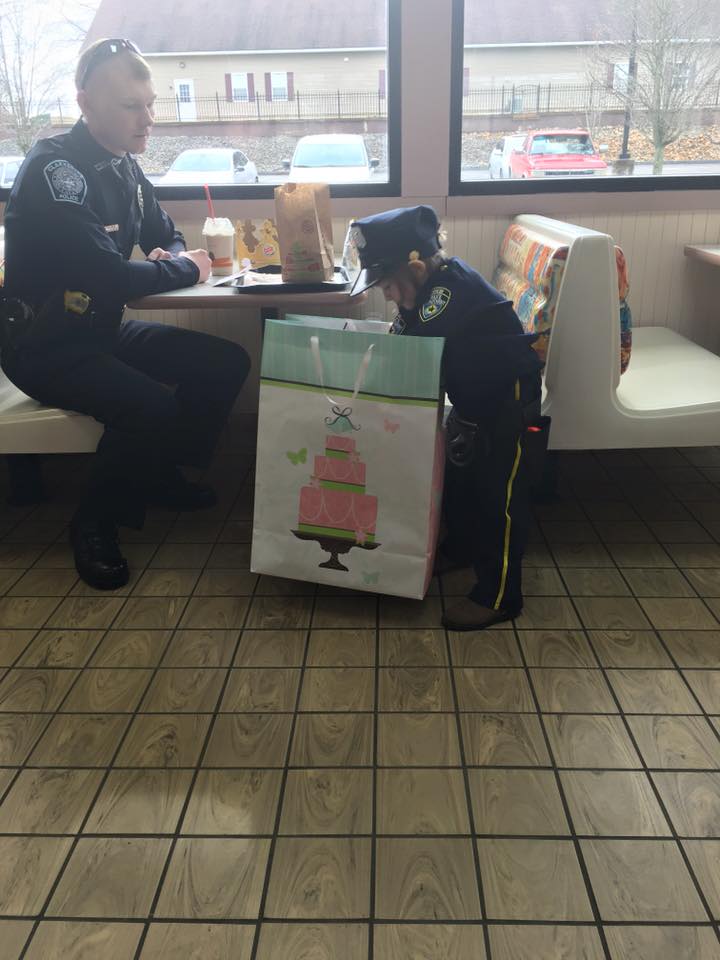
[9, 167]
[331, 158]
[209, 165]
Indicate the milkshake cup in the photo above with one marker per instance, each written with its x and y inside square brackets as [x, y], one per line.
[219, 236]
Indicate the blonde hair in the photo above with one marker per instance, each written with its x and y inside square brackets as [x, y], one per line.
[139, 66]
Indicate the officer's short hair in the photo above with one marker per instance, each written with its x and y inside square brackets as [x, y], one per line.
[86, 64]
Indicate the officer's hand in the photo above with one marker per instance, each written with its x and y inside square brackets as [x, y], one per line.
[202, 261]
[159, 254]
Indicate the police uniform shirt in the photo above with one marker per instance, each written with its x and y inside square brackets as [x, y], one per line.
[486, 348]
[74, 215]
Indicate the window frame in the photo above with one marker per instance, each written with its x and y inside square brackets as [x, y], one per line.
[478, 188]
[392, 187]
[281, 93]
[244, 86]
[389, 188]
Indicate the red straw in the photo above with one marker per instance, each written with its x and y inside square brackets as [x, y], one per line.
[211, 208]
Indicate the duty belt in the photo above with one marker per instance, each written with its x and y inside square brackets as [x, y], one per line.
[462, 435]
[52, 319]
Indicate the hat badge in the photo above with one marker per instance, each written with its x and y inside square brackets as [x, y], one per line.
[357, 237]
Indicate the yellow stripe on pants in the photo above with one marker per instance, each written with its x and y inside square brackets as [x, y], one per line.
[508, 519]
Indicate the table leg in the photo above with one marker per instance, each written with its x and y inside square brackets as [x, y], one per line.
[26, 480]
[267, 313]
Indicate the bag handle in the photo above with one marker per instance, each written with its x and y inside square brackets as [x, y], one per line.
[359, 377]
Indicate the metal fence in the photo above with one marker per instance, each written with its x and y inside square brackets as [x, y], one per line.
[332, 105]
[510, 99]
[530, 99]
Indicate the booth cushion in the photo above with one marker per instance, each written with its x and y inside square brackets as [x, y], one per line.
[529, 273]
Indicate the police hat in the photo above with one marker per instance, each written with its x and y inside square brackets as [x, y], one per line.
[387, 240]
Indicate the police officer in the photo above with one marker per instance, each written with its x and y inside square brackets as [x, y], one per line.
[492, 378]
[78, 207]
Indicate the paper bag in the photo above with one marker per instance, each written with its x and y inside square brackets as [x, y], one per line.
[257, 242]
[350, 457]
[304, 227]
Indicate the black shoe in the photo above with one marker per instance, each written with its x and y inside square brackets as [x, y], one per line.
[97, 555]
[465, 614]
[181, 494]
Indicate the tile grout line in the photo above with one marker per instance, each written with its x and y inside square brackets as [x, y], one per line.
[343, 921]
[673, 660]
[673, 832]
[372, 910]
[103, 780]
[650, 780]
[283, 782]
[198, 765]
[374, 832]
[466, 784]
[566, 809]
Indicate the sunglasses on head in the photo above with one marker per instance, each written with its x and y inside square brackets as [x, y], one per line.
[104, 51]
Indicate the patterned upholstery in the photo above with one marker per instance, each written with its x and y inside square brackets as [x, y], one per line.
[625, 315]
[529, 273]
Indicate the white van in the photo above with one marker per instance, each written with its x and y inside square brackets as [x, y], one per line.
[331, 158]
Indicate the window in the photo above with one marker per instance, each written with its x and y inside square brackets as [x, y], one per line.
[619, 77]
[268, 114]
[240, 90]
[683, 74]
[600, 99]
[279, 85]
[259, 85]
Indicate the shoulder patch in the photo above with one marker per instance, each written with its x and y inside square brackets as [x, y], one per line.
[67, 184]
[438, 300]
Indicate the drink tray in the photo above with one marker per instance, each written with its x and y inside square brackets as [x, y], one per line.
[269, 279]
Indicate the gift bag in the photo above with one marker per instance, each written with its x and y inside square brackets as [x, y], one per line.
[304, 228]
[350, 457]
[257, 242]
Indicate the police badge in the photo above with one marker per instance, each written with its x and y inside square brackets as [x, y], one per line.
[434, 306]
[356, 237]
[67, 184]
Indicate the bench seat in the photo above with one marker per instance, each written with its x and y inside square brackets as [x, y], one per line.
[26, 426]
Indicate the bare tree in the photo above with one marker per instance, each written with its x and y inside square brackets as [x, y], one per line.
[38, 42]
[667, 62]
[594, 108]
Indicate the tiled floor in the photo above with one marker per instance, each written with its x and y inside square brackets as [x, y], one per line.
[211, 765]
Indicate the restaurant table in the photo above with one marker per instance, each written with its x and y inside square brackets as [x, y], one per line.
[707, 253]
[205, 296]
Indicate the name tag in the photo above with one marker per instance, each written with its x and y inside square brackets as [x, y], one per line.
[112, 227]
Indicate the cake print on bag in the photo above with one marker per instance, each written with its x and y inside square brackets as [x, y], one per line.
[334, 508]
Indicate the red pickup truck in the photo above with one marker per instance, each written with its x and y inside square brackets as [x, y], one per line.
[557, 153]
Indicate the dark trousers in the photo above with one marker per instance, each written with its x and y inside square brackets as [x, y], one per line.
[163, 394]
[487, 511]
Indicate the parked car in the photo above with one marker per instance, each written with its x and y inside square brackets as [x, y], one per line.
[558, 153]
[500, 156]
[9, 167]
[210, 165]
[331, 158]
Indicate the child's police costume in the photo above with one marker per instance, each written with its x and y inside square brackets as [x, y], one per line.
[74, 215]
[492, 378]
